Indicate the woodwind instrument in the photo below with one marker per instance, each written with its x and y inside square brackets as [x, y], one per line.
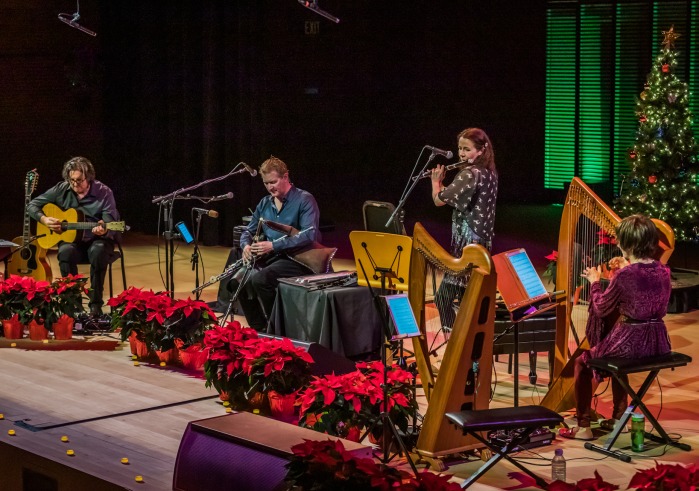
[449, 167]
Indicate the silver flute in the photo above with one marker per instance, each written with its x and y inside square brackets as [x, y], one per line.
[449, 167]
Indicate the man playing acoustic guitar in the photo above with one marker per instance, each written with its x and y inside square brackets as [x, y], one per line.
[80, 191]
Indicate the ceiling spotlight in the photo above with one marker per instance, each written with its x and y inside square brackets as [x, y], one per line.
[72, 21]
[313, 5]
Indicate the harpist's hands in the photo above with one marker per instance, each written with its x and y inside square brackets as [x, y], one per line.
[618, 263]
[592, 274]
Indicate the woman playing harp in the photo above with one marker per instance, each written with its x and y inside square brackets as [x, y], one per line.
[472, 194]
[636, 301]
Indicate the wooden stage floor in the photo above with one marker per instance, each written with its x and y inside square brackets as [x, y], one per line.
[110, 409]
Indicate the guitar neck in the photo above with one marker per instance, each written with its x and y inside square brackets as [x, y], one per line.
[80, 225]
[26, 232]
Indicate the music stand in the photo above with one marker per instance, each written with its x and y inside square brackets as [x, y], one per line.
[524, 295]
[5, 253]
[385, 256]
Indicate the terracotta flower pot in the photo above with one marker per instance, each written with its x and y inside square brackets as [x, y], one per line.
[37, 331]
[281, 406]
[193, 357]
[12, 328]
[63, 328]
[139, 347]
[171, 356]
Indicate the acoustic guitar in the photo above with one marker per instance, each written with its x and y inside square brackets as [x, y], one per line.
[30, 258]
[73, 226]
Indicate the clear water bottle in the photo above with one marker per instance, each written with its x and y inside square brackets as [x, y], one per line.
[558, 466]
[638, 426]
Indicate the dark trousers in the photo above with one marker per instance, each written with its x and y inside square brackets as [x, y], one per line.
[583, 394]
[258, 295]
[447, 299]
[95, 252]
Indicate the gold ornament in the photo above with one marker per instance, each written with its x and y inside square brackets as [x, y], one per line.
[642, 198]
[644, 94]
[669, 38]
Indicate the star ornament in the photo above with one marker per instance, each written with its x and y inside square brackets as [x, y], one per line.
[669, 38]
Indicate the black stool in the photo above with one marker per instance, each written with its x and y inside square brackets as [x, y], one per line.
[617, 368]
[525, 418]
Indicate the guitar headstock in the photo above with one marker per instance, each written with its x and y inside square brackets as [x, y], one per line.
[116, 226]
[31, 182]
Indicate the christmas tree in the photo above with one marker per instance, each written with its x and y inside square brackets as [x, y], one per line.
[663, 179]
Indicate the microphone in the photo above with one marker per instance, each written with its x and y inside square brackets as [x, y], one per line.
[208, 213]
[447, 154]
[228, 195]
[252, 171]
[72, 22]
[313, 5]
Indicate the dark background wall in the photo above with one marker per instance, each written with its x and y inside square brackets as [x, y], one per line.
[174, 92]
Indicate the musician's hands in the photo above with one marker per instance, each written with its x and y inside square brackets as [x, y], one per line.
[52, 223]
[262, 248]
[592, 274]
[247, 253]
[99, 229]
[438, 174]
[618, 263]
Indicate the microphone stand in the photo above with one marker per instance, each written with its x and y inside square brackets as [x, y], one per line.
[195, 255]
[409, 189]
[168, 202]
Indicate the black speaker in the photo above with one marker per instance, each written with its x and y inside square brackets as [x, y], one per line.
[241, 452]
[326, 360]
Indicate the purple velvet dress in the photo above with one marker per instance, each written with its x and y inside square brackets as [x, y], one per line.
[639, 292]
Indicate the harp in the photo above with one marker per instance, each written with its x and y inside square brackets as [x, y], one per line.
[463, 381]
[585, 239]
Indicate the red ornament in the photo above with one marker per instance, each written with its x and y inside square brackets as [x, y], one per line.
[643, 118]
[665, 68]
[632, 154]
[652, 179]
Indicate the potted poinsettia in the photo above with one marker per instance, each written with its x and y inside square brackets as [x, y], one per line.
[279, 369]
[66, 302]
[16, 310]
[223, 368]
[139, 315]
[345, 405]
[328, 466]
[185, 323]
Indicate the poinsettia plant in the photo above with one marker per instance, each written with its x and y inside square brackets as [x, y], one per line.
[223, 368]
[340, 404]
[276, 364]
[662, 477]
[25, 297]
[68, 295]
[186, 321]
[140, 311]
[550, 271]
[328, 466]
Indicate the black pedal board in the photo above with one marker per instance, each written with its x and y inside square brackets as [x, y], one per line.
[539, 438]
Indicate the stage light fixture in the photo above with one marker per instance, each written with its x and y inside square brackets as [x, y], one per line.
[313, 5]
[72, 21]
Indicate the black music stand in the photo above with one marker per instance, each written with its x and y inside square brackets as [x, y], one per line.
[524, 295]
[389, 428]
[5, 253]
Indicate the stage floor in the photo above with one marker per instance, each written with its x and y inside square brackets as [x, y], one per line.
[110, 409]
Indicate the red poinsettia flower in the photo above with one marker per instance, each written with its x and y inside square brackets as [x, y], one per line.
[553, 256]
[605, 238]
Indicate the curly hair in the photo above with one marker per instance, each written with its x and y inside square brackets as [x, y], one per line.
[79, 164]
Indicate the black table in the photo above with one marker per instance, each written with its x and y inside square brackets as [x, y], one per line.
[342, 319]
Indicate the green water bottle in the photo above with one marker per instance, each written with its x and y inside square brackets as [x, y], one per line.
[638, 428]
